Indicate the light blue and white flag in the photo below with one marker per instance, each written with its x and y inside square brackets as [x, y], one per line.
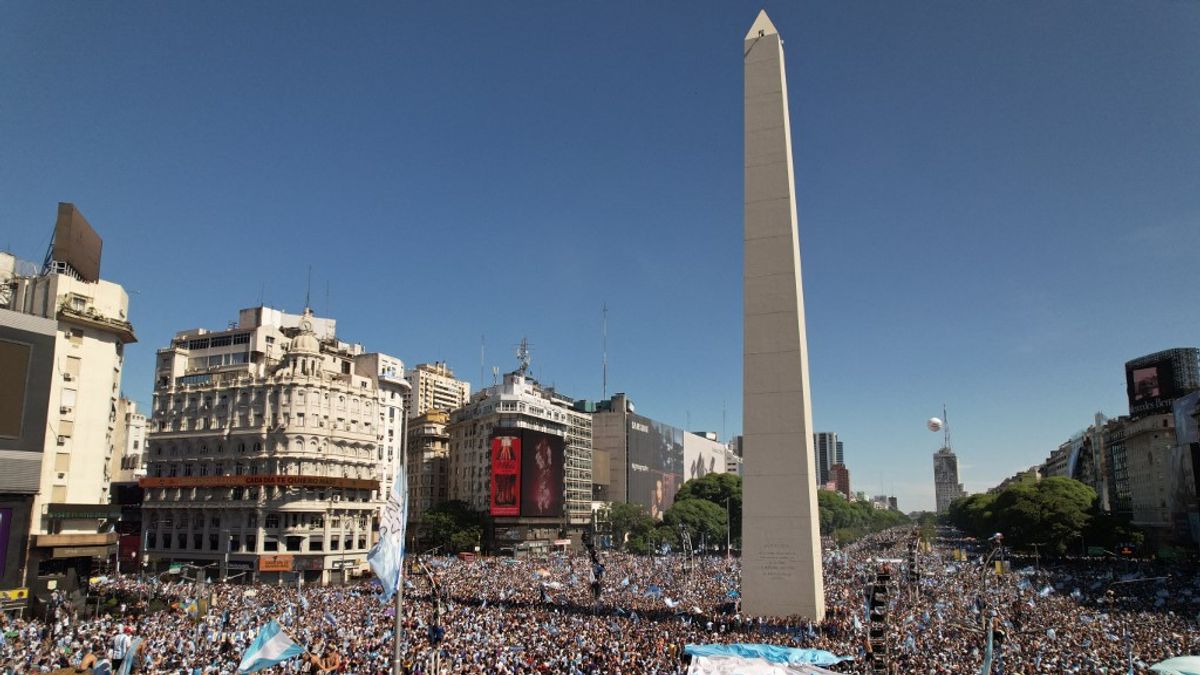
[387, 558]
[272, 646]
[130, 655]
[330, 619]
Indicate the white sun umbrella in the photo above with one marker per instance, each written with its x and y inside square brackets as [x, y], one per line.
[1180, 665]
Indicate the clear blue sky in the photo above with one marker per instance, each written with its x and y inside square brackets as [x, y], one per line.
[998, 202]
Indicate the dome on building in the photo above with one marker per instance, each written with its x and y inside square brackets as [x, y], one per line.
[306, 342]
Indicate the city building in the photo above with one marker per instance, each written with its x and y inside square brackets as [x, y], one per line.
[434, 387]
[1149, 440]
[428, 462]
[267, 447]
[387, 375]
[129, 443]
[733, 460]
[1031, 475]
[70, 516]
[827, 450]
[839, 475]
[1185, 459]
[1118, 466]
[503, 431]
[945, 479]
[650, 460]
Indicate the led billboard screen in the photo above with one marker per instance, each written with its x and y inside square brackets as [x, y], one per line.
[655, 464]
[542, 474]
[1151, 386]
[506, 472]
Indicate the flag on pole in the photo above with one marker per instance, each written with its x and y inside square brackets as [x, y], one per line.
[272, 646]
[387, 557]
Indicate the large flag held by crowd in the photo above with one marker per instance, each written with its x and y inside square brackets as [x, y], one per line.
[755, 659]
[272, 646]
[387, 557]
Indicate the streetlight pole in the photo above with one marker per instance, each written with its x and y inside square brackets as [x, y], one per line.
[728, 545]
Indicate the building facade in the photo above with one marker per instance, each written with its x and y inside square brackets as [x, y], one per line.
[129, 443]
[265, 451]
[428, 463]
[92, 328]
[945, 479]
[520, 403]
[839, 475]
[434, 387]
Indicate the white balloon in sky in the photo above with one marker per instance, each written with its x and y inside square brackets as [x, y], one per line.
[934, 424]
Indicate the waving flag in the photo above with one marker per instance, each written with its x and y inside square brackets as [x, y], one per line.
[272, 646]
[127, 664]
[387, 558]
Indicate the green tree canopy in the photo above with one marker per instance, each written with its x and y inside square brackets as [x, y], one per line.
[452, 525]
[1056, 513]
[703, 520]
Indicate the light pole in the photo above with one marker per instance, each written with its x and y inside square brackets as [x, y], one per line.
[728, 525]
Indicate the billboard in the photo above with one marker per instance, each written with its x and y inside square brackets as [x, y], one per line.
[76, 243]
[506, 472]
[1150, 386]
[542, 474]
[702, 456]
[655, 464]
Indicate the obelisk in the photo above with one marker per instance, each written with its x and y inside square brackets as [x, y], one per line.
[781, 541]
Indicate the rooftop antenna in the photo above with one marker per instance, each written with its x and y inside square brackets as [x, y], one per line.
[604, 342]
[308, 289]
[945, 428]
[723, 421]
[495, 375]
[523, 356]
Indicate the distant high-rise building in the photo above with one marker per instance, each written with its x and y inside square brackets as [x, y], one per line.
[826, 449]
[428, 462]
[839, 456]
[945, 479]
[434, 387]
[840, 476]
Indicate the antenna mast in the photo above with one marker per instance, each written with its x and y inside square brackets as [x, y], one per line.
[604, 342]
[945, 428]
[523, 356]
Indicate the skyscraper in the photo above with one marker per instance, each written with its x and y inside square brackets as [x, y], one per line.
[945, 479]
[781, 553]
[827, 452]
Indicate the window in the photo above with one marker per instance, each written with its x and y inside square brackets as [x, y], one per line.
[75, 336]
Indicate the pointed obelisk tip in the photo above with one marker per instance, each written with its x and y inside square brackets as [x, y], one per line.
[762, 26]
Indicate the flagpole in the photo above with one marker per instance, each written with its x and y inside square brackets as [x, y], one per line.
[397, 652]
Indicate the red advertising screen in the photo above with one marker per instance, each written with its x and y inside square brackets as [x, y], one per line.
[506, 473]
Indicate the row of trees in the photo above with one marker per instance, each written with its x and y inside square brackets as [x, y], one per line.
[703, 508]
[1054, 514]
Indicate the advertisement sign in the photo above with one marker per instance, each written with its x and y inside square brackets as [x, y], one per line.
[542, 476]
[275, 563]
[702, 456]
[1150, 386]
[655, 464]
[506, 472]
[76, 243]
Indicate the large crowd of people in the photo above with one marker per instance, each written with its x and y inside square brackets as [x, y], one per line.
[500, 615]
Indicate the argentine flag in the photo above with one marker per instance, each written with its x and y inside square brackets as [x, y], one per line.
[272, 646]
[387, 557]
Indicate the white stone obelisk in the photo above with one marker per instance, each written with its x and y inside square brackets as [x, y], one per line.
[781, 541]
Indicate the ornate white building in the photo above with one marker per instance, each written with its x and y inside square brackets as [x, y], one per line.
[269, 444]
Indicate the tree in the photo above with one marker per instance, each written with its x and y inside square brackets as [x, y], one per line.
[703, 520]
[452, 525]
[717, 488]
[630, 523]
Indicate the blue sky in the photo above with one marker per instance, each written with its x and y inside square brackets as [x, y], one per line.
[998, 201]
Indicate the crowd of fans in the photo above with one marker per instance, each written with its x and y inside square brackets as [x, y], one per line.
[497, 615]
